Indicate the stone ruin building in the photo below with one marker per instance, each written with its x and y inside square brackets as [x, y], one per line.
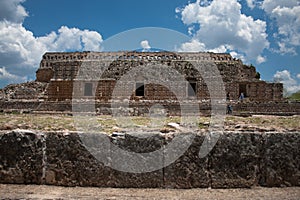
[95, 75]
[247, 157]
[59, 70]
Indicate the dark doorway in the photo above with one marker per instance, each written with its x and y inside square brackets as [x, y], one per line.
[139, 89]
[243, 89]
[88, 89]
[192, 88]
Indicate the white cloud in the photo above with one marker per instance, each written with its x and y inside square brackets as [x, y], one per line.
[18, 46]
[261, 59]
[72, 39]
[91, 40]
[250, 3]
[11, 78]
[196, 46]
[192, 46]
[288, 20]
[270, 5]
[287, 17]
[298, 76]
[178, 10]
[220, 49]
[12, 10]
[289, 83]
[191, 30]
[238, 55]
[223, 25]
[145, 45]
[284, 48]
[21, 51]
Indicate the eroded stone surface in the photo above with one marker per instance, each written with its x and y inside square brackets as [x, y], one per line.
[102, 71]
[24, 91]
[243, 159]
[235, 160]
[189, 171]
[55, 84]
[21, 157]
[281, 160]
[133, 153]
[69, 163]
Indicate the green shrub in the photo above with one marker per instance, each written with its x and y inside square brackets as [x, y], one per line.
[295, 96]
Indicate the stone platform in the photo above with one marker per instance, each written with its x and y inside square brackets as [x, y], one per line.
[239, 160]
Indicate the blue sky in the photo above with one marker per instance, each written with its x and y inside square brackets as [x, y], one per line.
[265, 33]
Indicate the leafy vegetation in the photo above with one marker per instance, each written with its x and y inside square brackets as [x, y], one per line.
[257, 76]
[295, 96]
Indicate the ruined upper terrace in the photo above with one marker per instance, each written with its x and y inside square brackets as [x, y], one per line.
[129, 55]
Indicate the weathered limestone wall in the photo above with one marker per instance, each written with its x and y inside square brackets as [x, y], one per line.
[238, 160]
[61, 69]
[173, 107]
[18, 106]
[60, 90]
[275, 108]
[262, 91]
[141, 108]
[44, 74]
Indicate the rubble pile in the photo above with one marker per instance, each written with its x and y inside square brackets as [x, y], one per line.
[24, 91]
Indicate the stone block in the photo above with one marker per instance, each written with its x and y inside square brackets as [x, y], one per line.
[235, 160]
[189, 170]
[137, 160]
[71, 163]
[281, 160]
[21, 157]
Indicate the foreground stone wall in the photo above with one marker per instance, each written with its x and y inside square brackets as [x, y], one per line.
[238, 160]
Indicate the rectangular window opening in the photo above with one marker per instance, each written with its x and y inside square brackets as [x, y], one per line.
[88, 89]
[139, 89]
[192, 89]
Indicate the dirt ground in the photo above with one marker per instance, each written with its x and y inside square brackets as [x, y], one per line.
[34, 192]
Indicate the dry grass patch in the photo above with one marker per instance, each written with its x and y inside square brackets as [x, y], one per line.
[109, 124]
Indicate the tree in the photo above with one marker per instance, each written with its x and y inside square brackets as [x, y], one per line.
[295, 96]
[257, 76]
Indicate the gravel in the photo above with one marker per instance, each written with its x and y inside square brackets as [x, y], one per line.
[34, 192]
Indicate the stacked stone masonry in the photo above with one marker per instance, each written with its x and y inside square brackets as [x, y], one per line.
[239, 160]
[69, 72]
[99, 77]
